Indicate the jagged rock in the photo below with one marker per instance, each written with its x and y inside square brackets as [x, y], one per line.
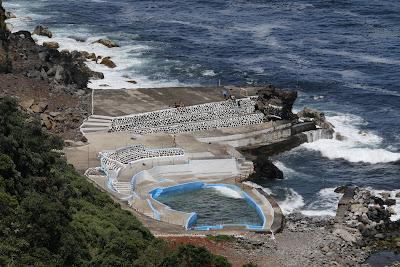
[87, 55]
[276, 103]
[390, 202]
[46, 121]
[43, 31]
[108, 43]
[108, 62]
[265, 170]
[27, 103]
[39, 107]
[316, 116]
[385, 195]
[78, 38]
[51, 45]
[340, 189]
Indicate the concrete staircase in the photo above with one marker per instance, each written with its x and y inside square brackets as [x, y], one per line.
[246, 168]
[96, 123]
[123, 187]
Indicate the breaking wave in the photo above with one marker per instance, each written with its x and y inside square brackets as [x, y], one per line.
[227, 192]
[325, 204]
[392, 194]
[355, 145]
[293, 201]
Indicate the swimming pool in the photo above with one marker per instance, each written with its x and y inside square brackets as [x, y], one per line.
[215, 205]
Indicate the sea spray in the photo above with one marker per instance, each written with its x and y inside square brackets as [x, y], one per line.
[227, 192]
[325, 203]
[293, 201]
[354, 145]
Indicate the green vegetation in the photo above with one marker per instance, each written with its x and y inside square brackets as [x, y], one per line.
[221, 238]
[392, 244]
[51, 216]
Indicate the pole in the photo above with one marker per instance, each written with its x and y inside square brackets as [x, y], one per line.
[92, 101]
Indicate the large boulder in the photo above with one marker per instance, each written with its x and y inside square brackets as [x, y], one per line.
[51, 45]
[265, 170]
[276, 103]
[108, 43]
[42, 31]
[108, 62]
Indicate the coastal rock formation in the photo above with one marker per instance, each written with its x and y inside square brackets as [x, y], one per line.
[364, 218]
[45, 62]
[42, 31]
[108, 62]
[265, 170]
[108, 43]
[51, 45]
[276, 103]
[317, 117]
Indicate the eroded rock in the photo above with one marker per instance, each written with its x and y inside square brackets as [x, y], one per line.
[51, 45]
[108, 43]
[43, 31]
[108, 62]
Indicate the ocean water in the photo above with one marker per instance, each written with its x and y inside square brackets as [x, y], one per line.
[342, 56]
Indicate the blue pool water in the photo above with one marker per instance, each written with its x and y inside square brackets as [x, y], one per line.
[215, 205]
[342, 56]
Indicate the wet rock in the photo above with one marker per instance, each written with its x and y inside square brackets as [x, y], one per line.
[51, 45]
[108, 62]
[108, 43]
[78, 38]
[340, 137]
[43, 31]
[340, 189]
[132, 82]
[390, 202]
[265, 170]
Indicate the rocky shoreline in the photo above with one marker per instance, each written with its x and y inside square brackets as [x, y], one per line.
[51, 87]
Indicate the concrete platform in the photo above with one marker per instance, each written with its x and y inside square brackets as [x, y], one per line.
[111, 102]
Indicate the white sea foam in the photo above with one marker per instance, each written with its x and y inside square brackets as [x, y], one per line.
[286, 170]
[209, 73]
[359, 56]
[293, 201]
[324, 205]
[127, 57]
[228, 192]
[357, 146]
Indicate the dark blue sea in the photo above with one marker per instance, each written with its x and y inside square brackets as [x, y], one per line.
[342, 56]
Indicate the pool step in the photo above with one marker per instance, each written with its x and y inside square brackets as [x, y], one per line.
[123, 187]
